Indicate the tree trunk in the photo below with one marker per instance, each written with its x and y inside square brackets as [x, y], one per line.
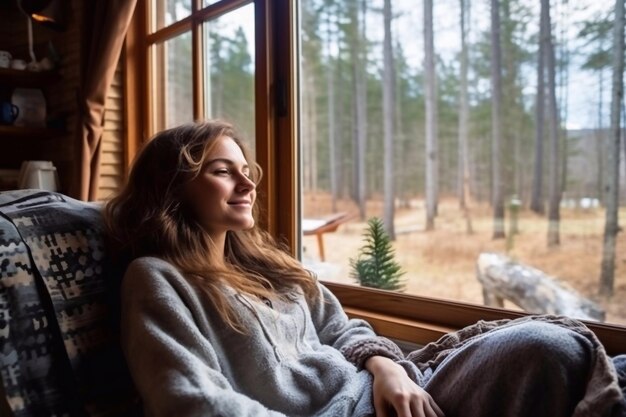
[388, 118]
[554, 189]
[361, 113]
[531, 289]
[564, 65]
[332, 141]
[463, 126]
[432, 157]
[509, 114]
[536, 202]
[611, 225]
[600, 140]
[309, 123]
[496, 116]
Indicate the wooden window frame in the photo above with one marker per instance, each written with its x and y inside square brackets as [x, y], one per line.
[273, 127]
[406, 317]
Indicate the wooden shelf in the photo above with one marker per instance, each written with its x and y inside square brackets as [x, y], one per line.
[35, 133]
[24, 78]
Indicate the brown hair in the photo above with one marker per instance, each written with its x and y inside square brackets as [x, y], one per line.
[149, 218]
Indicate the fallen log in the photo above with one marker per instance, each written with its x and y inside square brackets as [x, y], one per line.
[531, 289]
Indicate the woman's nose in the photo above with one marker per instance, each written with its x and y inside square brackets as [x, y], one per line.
[245, 183]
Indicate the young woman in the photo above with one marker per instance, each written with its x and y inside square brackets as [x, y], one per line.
[217, 320]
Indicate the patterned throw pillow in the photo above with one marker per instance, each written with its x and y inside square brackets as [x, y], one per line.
[59, 350]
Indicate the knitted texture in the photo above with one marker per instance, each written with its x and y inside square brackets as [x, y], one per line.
[359, 352]
[620, 367]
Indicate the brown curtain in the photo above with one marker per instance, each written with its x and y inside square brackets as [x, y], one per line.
[105, 24]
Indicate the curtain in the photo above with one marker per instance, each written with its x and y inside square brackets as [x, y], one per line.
[105, 23]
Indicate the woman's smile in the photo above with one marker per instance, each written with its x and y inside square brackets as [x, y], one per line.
[223, 195]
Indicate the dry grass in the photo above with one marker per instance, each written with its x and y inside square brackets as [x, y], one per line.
[441, 263]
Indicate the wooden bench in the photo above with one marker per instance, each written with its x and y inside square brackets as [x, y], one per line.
[323, 225]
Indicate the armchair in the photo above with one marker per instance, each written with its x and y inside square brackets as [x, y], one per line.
[58, 321]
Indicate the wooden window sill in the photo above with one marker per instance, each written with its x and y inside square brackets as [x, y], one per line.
[420, 320]
[412, 331]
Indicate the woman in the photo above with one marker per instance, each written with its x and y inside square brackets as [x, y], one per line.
[217, 320]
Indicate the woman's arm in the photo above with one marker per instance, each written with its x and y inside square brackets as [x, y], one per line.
[173, 365]
[353, 337]
[393, 389]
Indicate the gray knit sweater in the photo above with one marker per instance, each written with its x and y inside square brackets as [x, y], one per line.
[186, 362]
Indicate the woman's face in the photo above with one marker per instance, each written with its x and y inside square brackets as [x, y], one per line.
[222, 195]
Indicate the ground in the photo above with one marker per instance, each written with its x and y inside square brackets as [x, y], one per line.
[442, 263]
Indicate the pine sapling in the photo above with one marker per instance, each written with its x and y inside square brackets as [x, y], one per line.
[375, 265]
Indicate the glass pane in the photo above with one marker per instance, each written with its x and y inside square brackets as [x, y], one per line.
[166, 12]
[229, 69]
[172, 82]
[371, 149]
[206, 3]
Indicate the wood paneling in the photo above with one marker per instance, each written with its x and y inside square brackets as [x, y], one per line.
[113, 137]
[110, 182]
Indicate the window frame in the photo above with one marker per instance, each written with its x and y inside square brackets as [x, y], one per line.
[411, 318]
[274, 126]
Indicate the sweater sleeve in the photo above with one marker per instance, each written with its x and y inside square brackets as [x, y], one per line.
[174, 366]
[354, 338]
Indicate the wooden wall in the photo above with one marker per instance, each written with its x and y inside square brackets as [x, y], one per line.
[62, 96]
[112, 167]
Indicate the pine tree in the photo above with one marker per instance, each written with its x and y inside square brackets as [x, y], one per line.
[375, 266]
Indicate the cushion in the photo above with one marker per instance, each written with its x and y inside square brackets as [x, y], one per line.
[59, 350]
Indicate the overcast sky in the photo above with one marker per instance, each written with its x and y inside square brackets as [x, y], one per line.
[583, 86]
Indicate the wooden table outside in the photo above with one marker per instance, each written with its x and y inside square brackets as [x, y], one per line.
[323, 225]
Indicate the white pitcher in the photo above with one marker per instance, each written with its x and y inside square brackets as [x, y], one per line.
[38, 174]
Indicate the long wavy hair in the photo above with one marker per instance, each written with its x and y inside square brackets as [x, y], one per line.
[149, 217]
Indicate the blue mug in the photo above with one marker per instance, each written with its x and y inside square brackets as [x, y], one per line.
[8, 113]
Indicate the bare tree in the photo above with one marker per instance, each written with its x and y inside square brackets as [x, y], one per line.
[430, 84]
[611, 225]
[496, 117]
[536, 200]
[309, 103]
[554, 190]
[332, 140]
[597, 33]
[464, 174]
[388, 118]
[309, 134]
[564, 89]
[359, 101]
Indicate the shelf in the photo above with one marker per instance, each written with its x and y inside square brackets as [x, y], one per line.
[24, 78]
[37, 133]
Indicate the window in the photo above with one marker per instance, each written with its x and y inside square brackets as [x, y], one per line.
[433, 180]
[275, 82]
[209, 78]
[228, 67]
[172, 81]
[195, 59]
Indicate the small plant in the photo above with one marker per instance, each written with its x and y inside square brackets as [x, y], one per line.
[375, 265]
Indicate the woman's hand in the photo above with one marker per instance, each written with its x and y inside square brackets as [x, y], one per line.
[394, 390]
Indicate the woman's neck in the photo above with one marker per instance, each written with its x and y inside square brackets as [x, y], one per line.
[217, 241]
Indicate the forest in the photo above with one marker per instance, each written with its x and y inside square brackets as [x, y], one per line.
[491, 106]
